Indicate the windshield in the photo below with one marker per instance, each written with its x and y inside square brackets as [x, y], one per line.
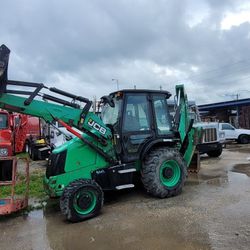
[3, 121]
[109, 115]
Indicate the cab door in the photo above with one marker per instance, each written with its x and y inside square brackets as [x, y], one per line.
[136, 125]
[162, 116]
[229, 131]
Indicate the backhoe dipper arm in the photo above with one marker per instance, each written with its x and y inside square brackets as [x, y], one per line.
[189, 135]
[48, 107]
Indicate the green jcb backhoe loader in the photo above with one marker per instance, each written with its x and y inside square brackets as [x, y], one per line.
[135, 135]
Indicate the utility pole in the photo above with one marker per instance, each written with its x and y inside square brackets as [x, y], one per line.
[117, 83]
[237, 95]
[237, 111]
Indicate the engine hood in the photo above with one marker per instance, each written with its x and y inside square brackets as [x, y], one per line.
[243, 131]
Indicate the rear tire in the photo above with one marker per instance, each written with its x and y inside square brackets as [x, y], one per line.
[243, 139]
[163, 172]
[81, 200]
[34, 156]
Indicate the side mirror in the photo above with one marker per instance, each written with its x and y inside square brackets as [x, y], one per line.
[109, 100]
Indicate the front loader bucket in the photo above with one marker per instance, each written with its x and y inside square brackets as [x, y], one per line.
[194, 166]
[4, 60]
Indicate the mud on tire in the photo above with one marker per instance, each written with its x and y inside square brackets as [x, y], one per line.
[156, 164]
[81, 199]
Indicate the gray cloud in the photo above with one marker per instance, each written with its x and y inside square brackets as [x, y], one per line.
[81, 45]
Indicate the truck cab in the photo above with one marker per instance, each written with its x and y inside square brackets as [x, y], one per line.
[232, 133]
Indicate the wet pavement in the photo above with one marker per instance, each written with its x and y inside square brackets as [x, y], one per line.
[213, 212]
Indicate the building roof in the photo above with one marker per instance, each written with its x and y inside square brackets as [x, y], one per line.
[222, 105]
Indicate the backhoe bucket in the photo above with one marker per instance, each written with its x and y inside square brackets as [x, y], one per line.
[194, 166]
[4, 60]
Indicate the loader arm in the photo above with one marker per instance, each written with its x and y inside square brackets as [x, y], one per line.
[189, 135]
[28, 98]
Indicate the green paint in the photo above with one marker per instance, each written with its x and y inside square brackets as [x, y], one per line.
[87, 195]
[173, 167]
[81, 161]
[194, 134]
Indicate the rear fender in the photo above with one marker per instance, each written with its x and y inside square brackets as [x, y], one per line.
[157, 143]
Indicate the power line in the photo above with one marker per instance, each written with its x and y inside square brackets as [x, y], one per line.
[219, 71]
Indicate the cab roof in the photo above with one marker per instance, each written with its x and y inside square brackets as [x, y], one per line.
[146, 91]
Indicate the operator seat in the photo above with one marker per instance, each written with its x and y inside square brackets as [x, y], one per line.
[131, 123]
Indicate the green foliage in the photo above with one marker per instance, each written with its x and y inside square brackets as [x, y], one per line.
[36, 189]
[23, 155]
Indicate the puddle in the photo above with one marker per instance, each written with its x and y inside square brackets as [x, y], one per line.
[38, 214]
[238, 148]
[242, 168]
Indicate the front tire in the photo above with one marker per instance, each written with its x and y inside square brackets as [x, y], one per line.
[163, 172]
[215, 153]
[81, 200]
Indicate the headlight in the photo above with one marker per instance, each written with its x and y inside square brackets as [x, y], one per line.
[3, 152]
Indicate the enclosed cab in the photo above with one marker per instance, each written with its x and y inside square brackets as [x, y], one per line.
[139, 119]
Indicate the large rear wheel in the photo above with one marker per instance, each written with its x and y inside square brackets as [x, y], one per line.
[81, 200]
[163, 172]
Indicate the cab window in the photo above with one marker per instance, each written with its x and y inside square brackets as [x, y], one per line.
[110, 114]
[3, 121]
[227, 127]
[136, 117]
[161, 114]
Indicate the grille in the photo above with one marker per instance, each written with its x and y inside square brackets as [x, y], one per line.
[210, 134]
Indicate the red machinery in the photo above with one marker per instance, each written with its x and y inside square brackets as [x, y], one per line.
[19, 133]
[10, 178]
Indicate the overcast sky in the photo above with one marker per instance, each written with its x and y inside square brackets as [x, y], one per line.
[80, 45]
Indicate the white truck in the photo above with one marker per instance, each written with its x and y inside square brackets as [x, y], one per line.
[211, 142]
[58, 135]
[232, 133]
